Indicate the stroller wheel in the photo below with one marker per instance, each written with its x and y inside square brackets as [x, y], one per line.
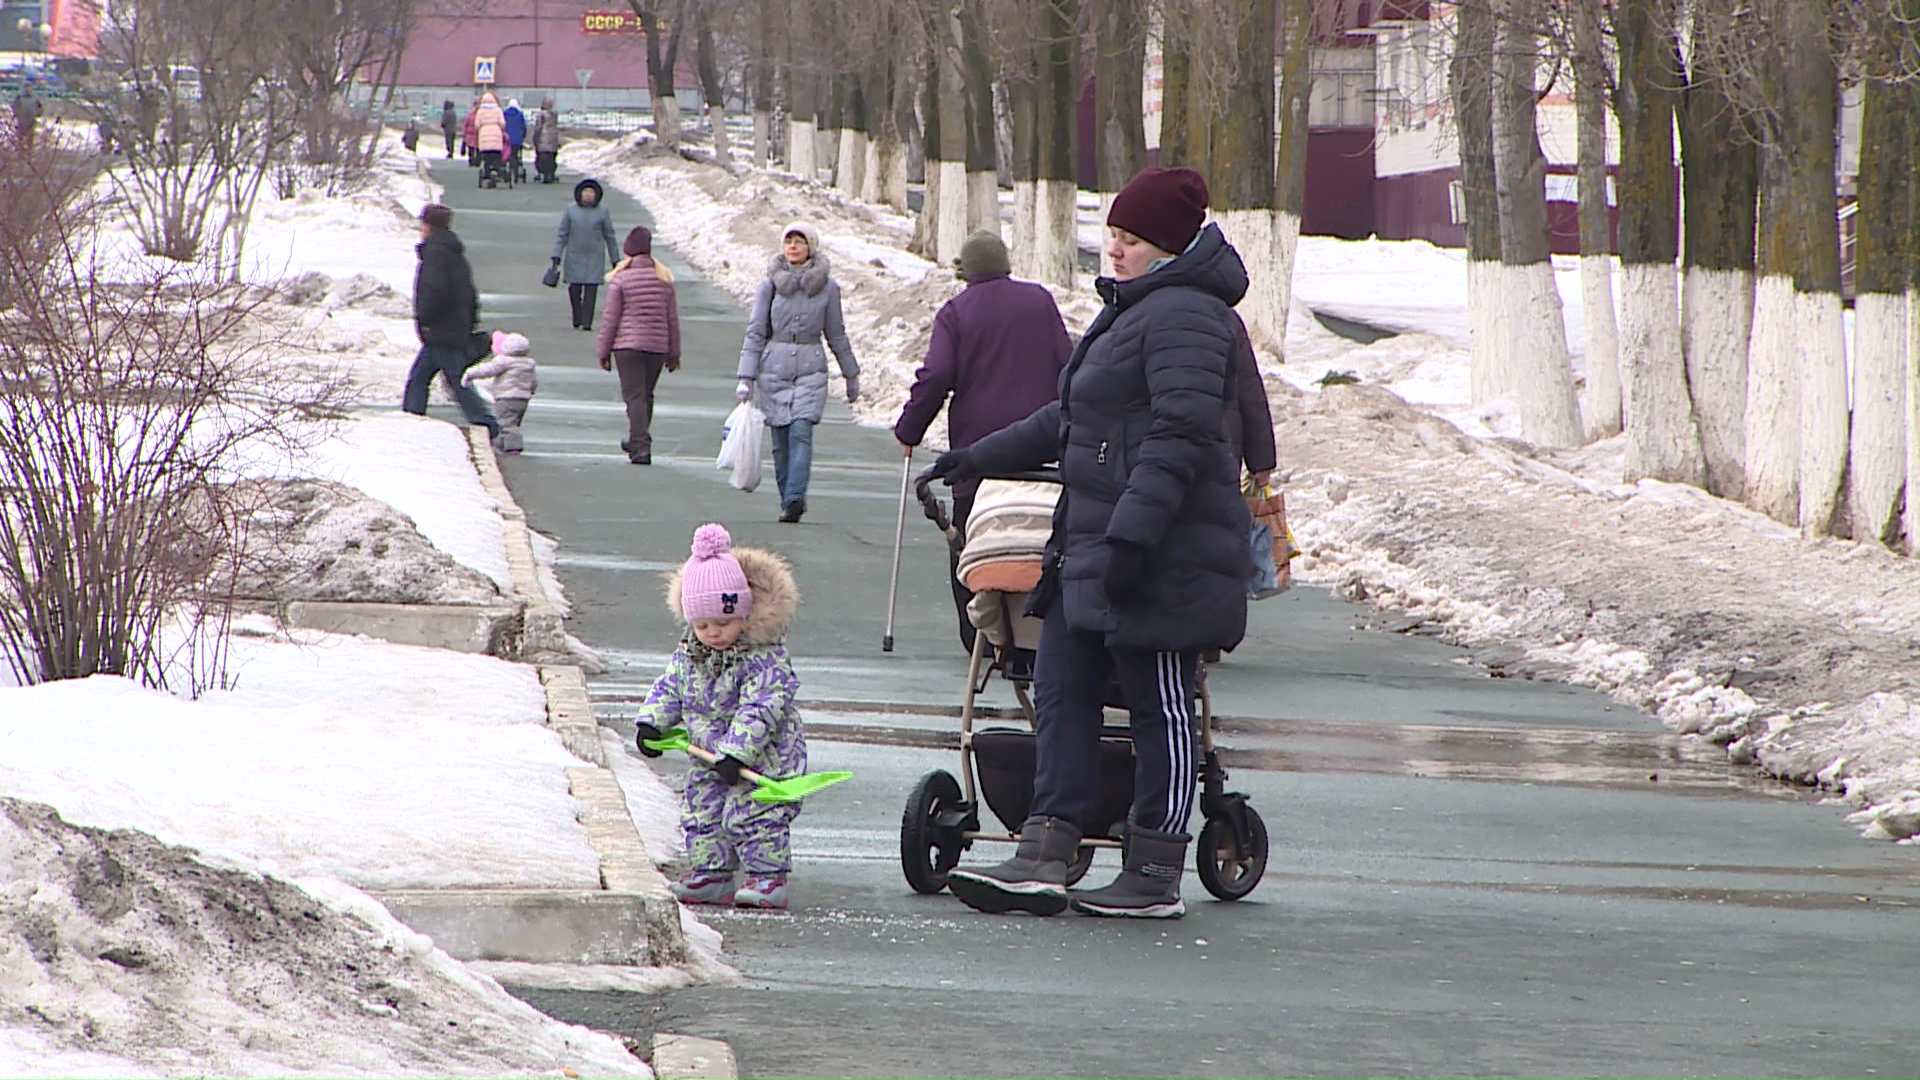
[1228, 872]
[929, 849]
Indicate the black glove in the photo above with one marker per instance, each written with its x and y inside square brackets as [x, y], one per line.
[647, 731]
[953, 466]
[729, 769]
[1126, 571]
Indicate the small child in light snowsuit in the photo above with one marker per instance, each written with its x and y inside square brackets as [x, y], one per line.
[515, 383]
[731, 685]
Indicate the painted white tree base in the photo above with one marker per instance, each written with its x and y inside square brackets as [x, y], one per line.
[850, 173]
[1106, 207]
[762, 139]
[1662, 442]
[1603, 413]
[1486, 332]
[1021, 249]
[953, 211]
[1538, 370]
[983, 203]
[666, 122]
[1772, 422]
[1286, 250]
[801, 159]
[1056, 247]
[1821, 347]
[1877, 470]
[1716, 311]
[1251, 234]
[1911, 376]
[722, 147]
[873, 176]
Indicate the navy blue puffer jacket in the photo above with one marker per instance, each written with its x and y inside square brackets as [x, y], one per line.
[1139, 432]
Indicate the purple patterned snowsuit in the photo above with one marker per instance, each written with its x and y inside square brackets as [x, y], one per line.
[738, 703]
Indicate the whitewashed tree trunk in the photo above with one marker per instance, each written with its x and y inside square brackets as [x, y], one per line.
[983, 202]
[1539, 372]
[1055, 248]
[1604, 405]
[1026, 196]
[1251, 232]
[926, 227]
[1661, 440]
[850, 175]
[1106, 207]
[1717, 320]
[1821, 347]
[826, 154]
[1286, 251]
[666, 121]
[1488, 377]
[873, 177]
[893, 183]
[1912, 379]
[1772, 423]
[801, 161]
[762, 138]
[1879, 438]
[722, 149]
[953, 210]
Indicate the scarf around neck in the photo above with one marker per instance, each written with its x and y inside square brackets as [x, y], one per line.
[809, 277]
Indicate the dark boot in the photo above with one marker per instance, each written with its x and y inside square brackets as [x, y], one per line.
[1033, 881]
[1149, 884]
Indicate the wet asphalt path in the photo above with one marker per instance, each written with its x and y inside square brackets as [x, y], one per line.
[1471, 876]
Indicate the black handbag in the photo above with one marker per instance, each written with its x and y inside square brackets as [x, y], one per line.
[479, 346]
[551, 279]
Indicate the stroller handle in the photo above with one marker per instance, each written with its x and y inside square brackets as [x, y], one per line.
[936, 511]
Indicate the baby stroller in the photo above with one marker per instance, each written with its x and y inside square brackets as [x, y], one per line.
[516, 168]
[1000, 561]
[495, 169]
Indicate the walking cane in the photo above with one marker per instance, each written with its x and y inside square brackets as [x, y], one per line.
[899, 534]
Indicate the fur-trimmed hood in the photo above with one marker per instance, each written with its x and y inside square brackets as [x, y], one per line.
[775, 595]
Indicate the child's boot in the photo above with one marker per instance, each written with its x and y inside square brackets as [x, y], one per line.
[705, 887]
[763, 891]
[1149, 883]
[1033, 881]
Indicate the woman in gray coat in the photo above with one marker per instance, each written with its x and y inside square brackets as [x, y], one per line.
[587, 244]
[783, 365]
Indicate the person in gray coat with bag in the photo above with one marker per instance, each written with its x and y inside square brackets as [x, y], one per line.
[783, 366]
[583, 249]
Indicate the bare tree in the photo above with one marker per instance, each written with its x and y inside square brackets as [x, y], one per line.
[1470, 83]
[976, 74]
[1056, 189]
[661, 22]
[127, 412]
[1240, 155]
[1290, 160]
[1119, 72]
[1585, 40]
[712, 86]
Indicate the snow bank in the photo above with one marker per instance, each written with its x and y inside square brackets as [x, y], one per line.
[121, 955]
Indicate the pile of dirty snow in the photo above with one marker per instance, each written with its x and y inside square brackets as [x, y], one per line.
[124, 956]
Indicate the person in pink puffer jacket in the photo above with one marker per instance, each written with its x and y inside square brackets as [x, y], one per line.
[640, 336]
[490, 128]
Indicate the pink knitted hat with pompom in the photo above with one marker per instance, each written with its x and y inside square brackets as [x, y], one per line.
[712, 585]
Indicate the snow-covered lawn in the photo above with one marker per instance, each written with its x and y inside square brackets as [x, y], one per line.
[1798, 654]
[337, 763]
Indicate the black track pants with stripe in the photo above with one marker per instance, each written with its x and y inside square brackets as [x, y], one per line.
[1072, 675]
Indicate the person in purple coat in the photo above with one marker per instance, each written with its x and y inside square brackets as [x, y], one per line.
[998, 349]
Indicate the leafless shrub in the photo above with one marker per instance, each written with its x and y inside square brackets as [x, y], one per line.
[128, 411]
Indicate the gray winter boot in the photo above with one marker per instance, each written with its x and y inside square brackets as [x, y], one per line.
[1033, 881]
[1149, 883]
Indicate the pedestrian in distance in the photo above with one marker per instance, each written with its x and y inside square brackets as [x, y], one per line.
[783, 364]
[996, 356]
[515, 380]
[1148, 562]
[731, 685]
[410, 135]
[516, 134]
[470, 135]
[490, 134]
[446, 308]
[449, 125]
[27, 110]
[546, 142]
[583, 248]
[640, 336]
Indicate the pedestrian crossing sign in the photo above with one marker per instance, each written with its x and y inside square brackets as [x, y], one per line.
[483, 70]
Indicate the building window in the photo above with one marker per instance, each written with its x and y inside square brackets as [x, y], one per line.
[1457, 202]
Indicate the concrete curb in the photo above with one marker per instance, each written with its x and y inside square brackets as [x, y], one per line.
[543, 628]
[684, 1057]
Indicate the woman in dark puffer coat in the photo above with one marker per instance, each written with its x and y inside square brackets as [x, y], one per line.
[1148, 562]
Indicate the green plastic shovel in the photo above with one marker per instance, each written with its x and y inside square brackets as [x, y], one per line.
[766, 789]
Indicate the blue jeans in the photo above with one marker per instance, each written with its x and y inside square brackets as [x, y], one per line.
[450, 363]
[793, 459]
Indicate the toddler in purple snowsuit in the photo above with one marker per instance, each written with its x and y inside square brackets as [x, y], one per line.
[731, 685]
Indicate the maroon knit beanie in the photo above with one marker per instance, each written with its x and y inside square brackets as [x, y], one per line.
[1164, 207]
[639, 241]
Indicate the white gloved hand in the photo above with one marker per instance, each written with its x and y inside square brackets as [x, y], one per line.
[744, 390]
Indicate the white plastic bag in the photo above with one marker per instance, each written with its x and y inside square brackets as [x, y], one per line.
[740, 445]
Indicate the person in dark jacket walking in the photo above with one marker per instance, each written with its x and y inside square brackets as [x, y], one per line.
[445, 308]
[582, 249]
[1148, 562]
[449, 125]
[997, 352]
[640, 336]
[546, 142]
